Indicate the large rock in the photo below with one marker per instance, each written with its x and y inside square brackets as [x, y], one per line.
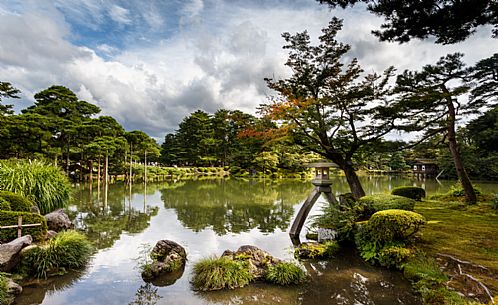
[167, 256]
[258, 260]
[9, 253]
[13, 288]
[58, 220]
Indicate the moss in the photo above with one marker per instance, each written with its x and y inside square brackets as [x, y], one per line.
[17, 202]
[317, 250]
[67, 250]
[380, 202]
[413, 192]
[220, 273]
[8, 218]
[394, 225]
[5, 297]
[285, 273]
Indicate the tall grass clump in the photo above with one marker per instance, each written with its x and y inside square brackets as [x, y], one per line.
[67, 250]
[218, 273]
[44, 184]
[285, 273]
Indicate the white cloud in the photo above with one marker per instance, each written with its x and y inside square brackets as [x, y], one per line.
[119, 14]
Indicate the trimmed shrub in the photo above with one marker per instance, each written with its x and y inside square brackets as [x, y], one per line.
[285, 273]
[67, 250]
[218, 273]
[17, 202]
[413, 192]
[392, 225]
[9, 218]
[380, 202]
[43, 183]
[4, 205]
[394, 257]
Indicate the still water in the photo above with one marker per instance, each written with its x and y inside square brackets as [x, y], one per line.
[208, 217]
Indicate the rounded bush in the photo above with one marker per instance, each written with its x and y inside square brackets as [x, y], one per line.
[381, 202]
[17, 202]
[413, 192]
[4, 205]
[391, 225]
[285, 273]
[220, 273]
[394, 257]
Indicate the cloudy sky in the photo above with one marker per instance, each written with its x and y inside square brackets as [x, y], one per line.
[151, 63]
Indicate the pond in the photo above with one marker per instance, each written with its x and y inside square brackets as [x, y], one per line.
[207, 217]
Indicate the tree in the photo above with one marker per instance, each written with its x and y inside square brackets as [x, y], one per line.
[448, 21]
[429, 101]
[326, 106]
[485, 73]
[6, 90]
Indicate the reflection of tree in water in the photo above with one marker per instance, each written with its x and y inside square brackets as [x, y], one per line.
[146, 295]
[235, 205]
[104, 223]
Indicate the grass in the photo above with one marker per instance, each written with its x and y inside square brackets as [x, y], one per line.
[285, 273]
[43, 183]
[67, 250]
[219, 273]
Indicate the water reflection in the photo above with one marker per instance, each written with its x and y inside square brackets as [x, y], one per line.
[146, 295]
[235, 206]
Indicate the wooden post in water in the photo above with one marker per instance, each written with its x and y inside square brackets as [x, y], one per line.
[322, 185]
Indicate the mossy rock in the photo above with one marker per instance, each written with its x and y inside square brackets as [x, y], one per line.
[412, 192]
[313, 250]
[17, 202]
[380, 202]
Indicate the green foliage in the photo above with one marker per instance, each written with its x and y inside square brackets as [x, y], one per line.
[67, 250]
[5, 297]
[423, 271]
[494, 202]
[285, 273]
[456, 190]
[380, 202]
[219, 273]
[17, 202]
[9, 218]
[4, 205]
[391, 225]
[317, 250]
[43, 183]
[394, 257]
[413, 192]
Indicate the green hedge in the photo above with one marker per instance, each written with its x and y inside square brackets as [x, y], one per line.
[17, 202]
[380, 202]
[4, 205]
[392, 225]
[8, 218]
[413, 192]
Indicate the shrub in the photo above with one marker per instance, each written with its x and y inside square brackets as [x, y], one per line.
[456, 190]
[423, 271]
[219, 273]
[17, 202]
[380, 202]
[5, 297]
[413, 192]
[43, 183]
[4, 205]
[9, 218]
[316, 250]
[494, 202]
[394, 257]
[69, 249]
[285, 273]
[394, 225]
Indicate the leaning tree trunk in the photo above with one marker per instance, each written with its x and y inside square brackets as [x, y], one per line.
[470, 194]
[353, 180]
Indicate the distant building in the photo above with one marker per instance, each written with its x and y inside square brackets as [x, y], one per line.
[425, 168]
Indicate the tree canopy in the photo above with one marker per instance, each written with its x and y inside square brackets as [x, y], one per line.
[447, 21]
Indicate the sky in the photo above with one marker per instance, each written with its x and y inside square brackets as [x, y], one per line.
[151, 63]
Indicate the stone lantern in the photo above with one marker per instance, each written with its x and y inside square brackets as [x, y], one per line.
[322, 184]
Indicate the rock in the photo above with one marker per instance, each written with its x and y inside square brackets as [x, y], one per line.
[326, 234]
[9, 252]
[13, 287]
[51, 234]
[167, 256]
[58, 220]
[259, 260]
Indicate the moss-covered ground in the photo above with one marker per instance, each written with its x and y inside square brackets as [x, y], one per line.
[469, 233]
